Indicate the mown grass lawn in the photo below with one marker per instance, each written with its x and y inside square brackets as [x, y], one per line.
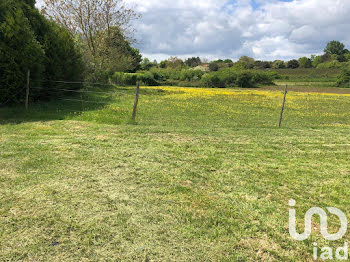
[204, 175]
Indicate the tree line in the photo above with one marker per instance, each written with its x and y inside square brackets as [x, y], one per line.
[71, 40]
[335, 56]
[246, 72]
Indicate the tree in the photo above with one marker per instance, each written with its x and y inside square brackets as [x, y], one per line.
[347, 57]
[316, 60]
[247, 62]
[262, 64]
[305, 62]
[174, 62]
[98, 23]
[146, 64]
[335, 48]
[113, 54]
[278, 64]
[293, 64]
[163, 64]
[213, 67]
[193, 62]
[344, 79]
[28, 41]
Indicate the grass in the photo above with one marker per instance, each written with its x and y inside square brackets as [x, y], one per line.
[203, 175]
[313, 75]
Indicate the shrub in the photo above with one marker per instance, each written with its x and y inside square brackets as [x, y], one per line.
[213, 67]
[278, 64]
[212, 80]
[130, 79]
[344, 79]
[147, 79]
[329, 65]
[228, 77]
[191, 75]
[117, 78]
[120, 78]
[175, 74]
[347, 57]
[305, 62]
[245, 79]
[293, 64]
[264, 78]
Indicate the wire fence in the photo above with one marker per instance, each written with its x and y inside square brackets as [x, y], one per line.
[68, 96]
[87, 97]
[83, 96]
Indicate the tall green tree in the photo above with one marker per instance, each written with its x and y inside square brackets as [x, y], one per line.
[278, 64]
[28, 41]
[247, 62]
[335, 48]
[19, 49]
[305, 62]
[193, 61]
[292, 64]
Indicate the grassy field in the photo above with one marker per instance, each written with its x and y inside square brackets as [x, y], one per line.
[203, 175]
[314, 75]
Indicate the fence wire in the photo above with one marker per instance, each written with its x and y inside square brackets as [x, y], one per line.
[74, 99]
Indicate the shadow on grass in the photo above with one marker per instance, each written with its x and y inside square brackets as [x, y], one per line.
[63, 107]
[47, 111]
[72, 105]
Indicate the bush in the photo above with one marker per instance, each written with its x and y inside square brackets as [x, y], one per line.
[130, 79]
[212, 80]
[344, 79]
[245, 78]
[213, 67]
[293, 64]
[226, 77]
[122, 79]
[278, 64]
[305, 62]
[147, 79]
[191, 75]
[330, 65]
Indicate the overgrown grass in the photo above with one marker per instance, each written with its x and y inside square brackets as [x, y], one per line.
[203, 175]
[310, 75]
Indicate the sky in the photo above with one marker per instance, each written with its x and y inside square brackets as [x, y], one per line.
[265, 30]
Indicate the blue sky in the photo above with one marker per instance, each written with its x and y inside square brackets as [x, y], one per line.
[263, 29]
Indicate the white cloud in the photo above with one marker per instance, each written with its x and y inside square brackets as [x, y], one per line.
[269, 29]
[264, 29]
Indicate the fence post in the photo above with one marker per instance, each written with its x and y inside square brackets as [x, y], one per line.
[136, 101]
[27, 90]
[283, 104]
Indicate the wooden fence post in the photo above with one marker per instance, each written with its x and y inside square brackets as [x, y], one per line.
[27, 90]
[283, 104]
[136, 101]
